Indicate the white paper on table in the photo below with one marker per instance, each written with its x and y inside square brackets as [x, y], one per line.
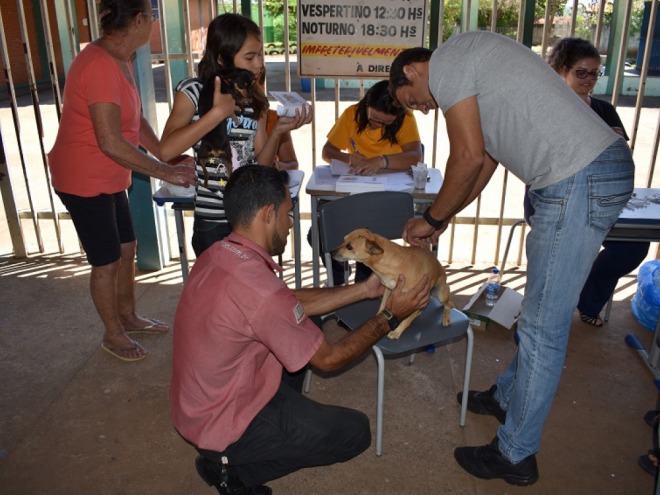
[339, 168]
[399, 181]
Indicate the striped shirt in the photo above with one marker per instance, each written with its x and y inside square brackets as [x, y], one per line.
[210, 188]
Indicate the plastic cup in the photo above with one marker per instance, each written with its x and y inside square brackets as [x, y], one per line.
[420, 176]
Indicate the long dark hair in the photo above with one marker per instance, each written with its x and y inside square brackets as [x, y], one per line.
[379, 98]
[225, 37]
[115, 15]
[568, 51]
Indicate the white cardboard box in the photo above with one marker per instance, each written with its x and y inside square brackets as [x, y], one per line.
[505, 312]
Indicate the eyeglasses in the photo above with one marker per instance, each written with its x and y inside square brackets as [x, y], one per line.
[376, 121]
[583, 73]
[153, 15]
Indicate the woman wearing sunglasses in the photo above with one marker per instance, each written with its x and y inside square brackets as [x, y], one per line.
[374, 135]
[578, 62]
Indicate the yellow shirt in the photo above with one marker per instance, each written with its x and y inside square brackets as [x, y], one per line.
[368, 141]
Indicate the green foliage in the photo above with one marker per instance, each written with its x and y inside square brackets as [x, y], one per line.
[636, 16]
[451, 18]
[276, 10]
[557, 8]
[507, 13]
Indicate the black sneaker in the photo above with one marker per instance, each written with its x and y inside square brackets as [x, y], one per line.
[212, 476]
[484, 403]
[651, 417]
[488, 463]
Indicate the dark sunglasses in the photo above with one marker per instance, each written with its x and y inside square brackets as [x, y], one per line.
[583, 73]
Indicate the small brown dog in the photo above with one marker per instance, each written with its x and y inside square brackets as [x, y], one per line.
[388, 259]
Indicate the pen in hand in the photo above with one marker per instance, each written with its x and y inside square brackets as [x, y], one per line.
[352, 141]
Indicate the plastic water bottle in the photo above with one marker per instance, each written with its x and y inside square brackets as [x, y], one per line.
[493, 287]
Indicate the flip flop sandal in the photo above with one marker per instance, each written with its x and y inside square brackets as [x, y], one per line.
[594, 321]
[152, 328]
[120, 352]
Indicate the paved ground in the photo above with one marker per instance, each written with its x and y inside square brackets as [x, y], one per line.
[75, 420]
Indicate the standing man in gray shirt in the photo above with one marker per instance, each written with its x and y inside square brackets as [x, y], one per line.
[503, 104]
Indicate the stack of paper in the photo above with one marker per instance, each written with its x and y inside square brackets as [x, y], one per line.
[289, 102]
[359, 183]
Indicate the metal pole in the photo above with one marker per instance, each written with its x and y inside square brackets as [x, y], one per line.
[9, 203]
[187, 42]
[620, 64]
[574, 17]
[93, 19]
[644, 73]
[166, 55]
[287, 63]
[17, 128]
[546, 28]
[599, 23]
[521, 22]
[493, 20]
[37, 116]
[654, 154]
[73, 41]
[55, 85]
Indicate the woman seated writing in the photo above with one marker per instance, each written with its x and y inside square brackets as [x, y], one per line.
[375, 135]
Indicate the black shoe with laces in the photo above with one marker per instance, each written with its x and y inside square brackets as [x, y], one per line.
[213, 477]
[484, 403]
[487, 462]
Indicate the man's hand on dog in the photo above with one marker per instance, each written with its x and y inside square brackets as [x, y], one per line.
[402, 303]
[373, 287]
[418, 232]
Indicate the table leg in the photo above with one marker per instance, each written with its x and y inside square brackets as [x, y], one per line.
[315, 242]
[181, 237]
[296, 244]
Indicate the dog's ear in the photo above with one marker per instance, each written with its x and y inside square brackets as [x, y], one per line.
[373, 247]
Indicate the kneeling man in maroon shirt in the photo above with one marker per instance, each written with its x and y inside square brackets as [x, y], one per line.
[242, 342]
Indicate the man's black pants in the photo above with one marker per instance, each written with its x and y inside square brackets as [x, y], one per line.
[293, 432]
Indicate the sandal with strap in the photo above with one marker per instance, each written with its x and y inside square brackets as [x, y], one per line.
[594, 321]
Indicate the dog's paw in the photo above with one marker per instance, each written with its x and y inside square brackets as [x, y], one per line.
[394, 335]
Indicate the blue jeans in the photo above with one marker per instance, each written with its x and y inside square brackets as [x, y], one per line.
[571, 220]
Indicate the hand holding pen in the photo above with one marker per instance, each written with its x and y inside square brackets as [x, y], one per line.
[357, 161]
[361, 165]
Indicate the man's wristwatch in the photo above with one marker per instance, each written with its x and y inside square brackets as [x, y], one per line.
[392, 321]
[436, 224]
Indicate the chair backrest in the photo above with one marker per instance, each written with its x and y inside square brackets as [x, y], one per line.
[382, 212]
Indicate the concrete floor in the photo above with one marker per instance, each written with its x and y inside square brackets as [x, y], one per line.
[74, 420]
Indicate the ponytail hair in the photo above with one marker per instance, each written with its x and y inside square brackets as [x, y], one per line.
[116, 15]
